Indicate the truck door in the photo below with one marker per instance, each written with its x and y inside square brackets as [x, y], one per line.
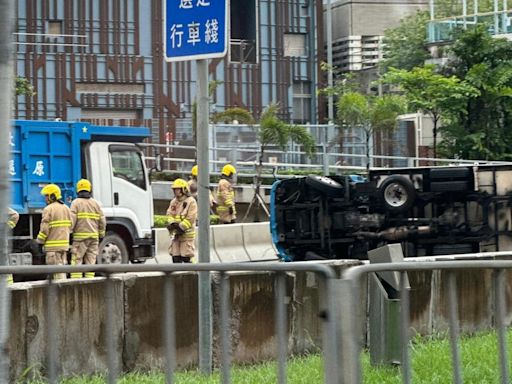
[131, 191]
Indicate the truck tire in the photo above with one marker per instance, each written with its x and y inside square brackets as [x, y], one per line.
[397, 193]
[325, 185]
[112, 250]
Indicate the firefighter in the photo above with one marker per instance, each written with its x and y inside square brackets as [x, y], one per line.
[12, 220]
[181, 218]
[56, 224]
[192, 182]
[88, 230]
[192, 187]
[226, 196]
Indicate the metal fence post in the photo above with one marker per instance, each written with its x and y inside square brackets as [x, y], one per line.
[6, 83]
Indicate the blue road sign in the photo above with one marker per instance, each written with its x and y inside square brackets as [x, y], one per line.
[195, 29]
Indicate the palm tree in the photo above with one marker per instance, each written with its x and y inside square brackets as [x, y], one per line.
[372, 113]
[274, 131]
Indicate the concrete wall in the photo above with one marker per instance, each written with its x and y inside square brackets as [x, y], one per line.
[138, 313]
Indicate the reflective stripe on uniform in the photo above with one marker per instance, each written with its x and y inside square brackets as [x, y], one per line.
[88, 215]
[85, 235]
[56, 243]
[59, 223]
[42, 236]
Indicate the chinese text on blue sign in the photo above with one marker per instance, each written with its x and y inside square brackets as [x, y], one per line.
[195, 29]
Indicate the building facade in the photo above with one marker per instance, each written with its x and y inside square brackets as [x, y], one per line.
[358, 29]
[103, 61]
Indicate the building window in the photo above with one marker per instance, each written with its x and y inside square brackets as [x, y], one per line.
[301, 113]
[54, 27]
[294, 44]
[243, 45]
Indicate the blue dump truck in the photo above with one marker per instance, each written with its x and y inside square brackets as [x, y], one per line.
[428, 210]
[44, 152]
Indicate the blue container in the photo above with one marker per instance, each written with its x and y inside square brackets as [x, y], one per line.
[44, 152]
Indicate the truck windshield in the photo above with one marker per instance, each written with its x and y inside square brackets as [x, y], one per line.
[127, 165]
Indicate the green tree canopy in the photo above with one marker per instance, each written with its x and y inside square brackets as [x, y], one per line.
[275, 131]
[481, 129]
[405, 45]
[371, 113]
[23, 87]
[431, 93]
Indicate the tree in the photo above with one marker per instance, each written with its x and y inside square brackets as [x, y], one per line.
[241, 115]
[23, 87]
[431, 93]
[274, 131]
[481, 129]
[405, 45]
[372, 113]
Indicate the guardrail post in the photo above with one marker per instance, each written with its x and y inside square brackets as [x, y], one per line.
[347, 336]
[325, 158]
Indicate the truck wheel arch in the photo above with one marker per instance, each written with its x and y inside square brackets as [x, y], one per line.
[125, 230]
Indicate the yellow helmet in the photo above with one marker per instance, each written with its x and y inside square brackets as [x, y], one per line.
[228, 170]
[83, 185]
[180, 184]
[51, 189]
[194, 171]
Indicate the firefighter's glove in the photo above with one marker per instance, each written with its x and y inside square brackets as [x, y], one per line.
[231, 210]
[172, 227]
[179, 231]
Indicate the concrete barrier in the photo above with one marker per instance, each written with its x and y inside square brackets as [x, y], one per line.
[228, 243]
[80, 317]
[258, 242]
[163, 241]
[79, 324]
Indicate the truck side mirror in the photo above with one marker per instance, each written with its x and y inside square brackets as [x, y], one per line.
[159, 159]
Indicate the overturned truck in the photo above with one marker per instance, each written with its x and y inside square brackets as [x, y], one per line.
[429, 210]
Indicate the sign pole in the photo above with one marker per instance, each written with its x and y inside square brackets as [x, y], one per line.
[7, 82]
[205, 296]
[198, 30]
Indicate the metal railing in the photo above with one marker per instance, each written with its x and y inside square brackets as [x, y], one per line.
[325, 292]
[351, 349]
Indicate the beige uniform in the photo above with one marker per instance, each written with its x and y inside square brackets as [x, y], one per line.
[12, 218]
[226, 202]
[183, 211]
[192, 187]
[89, 227]
[56, 224]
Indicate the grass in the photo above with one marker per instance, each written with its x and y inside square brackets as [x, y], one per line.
[431, 363]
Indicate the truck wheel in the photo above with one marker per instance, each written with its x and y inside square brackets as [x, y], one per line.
[397, 193]
[112, 250]
[324, 184]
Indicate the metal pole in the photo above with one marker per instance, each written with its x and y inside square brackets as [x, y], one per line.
[6, 83]
[205, 296]
[330, 83]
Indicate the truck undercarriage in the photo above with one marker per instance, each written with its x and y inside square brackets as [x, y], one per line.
[430, 211]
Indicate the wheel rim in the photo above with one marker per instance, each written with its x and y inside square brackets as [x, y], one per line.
[395, 195]
[111, 254]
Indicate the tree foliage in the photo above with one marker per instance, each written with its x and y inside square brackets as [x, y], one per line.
[23, 87]
[481, 129]
[432, 93]
[275, 131]
[405, 45]
[241, 115]
[371, 113]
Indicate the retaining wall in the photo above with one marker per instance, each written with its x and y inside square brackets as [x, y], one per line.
[80, 317]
